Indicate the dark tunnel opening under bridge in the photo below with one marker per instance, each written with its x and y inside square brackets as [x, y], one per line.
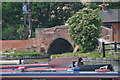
[60, 45]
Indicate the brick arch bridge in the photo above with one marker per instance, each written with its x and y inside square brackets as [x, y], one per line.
[49, 40]
[53, 40]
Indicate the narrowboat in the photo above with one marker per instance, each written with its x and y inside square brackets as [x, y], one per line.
[60, 69]
[61, 75]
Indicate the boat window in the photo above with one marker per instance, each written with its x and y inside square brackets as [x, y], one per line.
[106, 79]
[39, 79]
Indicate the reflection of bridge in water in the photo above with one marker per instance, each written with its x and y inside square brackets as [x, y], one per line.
[49, 40]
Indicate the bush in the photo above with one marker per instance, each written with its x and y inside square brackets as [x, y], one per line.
[85, 28]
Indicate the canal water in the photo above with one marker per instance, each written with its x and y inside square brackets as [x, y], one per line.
[115, 64]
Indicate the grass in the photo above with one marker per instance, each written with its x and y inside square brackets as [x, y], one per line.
[23, 53]
[107, 52]
[94, 54]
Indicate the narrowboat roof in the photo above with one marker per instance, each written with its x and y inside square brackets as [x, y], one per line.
[63, 62]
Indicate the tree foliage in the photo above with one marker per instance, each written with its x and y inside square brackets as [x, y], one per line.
[11, 12]
[110, 5]
[93, 6]
[113, 5]
[0, 20]
[11, 19]
[44, 14]
[50, 14]
[15, 32]
[85, 28]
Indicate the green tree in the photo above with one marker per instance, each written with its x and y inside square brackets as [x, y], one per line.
[113, 5]
[11, 19]
[8, 32]
[85, 28]
[93, 6]
[22, 32]
[15, 32]
[110, 5]
[0, 20]
[11, 13]
[44, 14]
[50, 14]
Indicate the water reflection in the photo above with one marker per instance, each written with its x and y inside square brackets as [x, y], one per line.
[31, 61]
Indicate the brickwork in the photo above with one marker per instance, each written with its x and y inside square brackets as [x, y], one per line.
[44, 37]
[16, 44]
[112, 34]
[116, 32]
[107, 33]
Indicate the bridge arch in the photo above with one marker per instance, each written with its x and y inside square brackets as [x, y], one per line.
[59, 45]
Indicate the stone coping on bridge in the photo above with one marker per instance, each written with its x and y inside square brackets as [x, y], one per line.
[61, 26]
